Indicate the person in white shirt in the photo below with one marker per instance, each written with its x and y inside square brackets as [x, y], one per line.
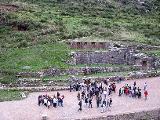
[145, 86]
[48, 104]
[54, 102]
[105, 94]
[45, 102]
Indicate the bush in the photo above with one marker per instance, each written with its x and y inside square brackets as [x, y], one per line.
[22, 44]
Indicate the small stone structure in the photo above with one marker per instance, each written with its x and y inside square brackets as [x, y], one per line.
[93, 43]
[89, 45]
[95, 51]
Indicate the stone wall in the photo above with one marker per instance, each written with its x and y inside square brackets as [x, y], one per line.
[108, 44]
[96, 57]
[89, 45]
[90, 70]
[33, 82]
[143, 74]
[29, 74]
[114, 56]
[76, 71]
[144, 47]
[130, 76]
[143, 115]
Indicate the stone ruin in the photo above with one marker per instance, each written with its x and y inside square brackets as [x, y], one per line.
[110, 53]
[89, 45]
[86, 43]
[119, 56]
[128, 57]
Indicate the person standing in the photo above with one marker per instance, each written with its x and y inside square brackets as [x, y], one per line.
[48, 104]
[39, 100]
[78, 96]
[145, 86]
[90, 102]
[146, 94]
[45, 101]
[110, 102]
[120, 93]
[70, 88]
[83, 95]
[55, 102]
[98, 101]
[58, 94]
[61, 100]
[105, 94]
[134, 84]
[103, 106]
[80, 105]
[86, 100]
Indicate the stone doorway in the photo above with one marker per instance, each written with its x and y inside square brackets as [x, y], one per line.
[79, 45]
[144, 64]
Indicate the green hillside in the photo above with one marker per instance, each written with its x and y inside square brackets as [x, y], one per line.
[30, 29]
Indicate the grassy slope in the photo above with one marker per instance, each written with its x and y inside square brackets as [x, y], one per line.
[50, 21]
[154, 52]
[35, 57]
[78, 19]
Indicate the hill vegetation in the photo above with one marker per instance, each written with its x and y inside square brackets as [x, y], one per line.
[30, 30]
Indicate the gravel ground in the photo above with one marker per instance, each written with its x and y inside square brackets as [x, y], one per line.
[28, 109]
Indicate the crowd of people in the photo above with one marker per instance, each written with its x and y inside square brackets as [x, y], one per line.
[48, 101]
[88, 92]
[133, 91]
[101, 93]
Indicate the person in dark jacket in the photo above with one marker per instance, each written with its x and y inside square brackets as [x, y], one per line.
[80, 105]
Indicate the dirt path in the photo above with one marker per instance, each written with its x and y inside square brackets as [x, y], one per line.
[29, 110]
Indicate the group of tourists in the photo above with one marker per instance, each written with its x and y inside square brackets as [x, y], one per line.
[133, 91]
[48, 101]
[96, 91]
[88, 92]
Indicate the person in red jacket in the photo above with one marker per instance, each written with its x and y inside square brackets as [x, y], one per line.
[146, 94]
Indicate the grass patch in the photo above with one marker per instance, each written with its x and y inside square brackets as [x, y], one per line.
[9, 95]
[63, 78]
[153, 52]
[7, 78]
[35, 57]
